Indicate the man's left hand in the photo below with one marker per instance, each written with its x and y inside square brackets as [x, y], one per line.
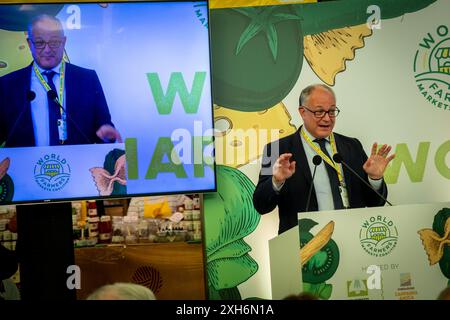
[109, 134]
[377, 162]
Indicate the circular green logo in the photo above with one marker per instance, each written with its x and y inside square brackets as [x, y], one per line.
[378, 236]
[432, 67]
[52, 172]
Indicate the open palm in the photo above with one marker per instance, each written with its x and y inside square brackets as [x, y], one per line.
[377, 162]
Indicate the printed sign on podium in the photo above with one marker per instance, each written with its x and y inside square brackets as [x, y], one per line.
[390, 253]
[383, 253]
[38, 173]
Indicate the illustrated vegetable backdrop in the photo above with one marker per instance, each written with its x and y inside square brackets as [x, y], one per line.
[263, 54]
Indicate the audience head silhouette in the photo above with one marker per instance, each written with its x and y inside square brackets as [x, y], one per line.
[122, 291]
[445, 294]
[301, 296]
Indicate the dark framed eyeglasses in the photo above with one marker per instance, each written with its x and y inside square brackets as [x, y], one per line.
[319, 114]
[53, 44]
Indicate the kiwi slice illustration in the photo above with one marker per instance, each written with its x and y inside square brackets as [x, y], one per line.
[324, 263]
[6, 189]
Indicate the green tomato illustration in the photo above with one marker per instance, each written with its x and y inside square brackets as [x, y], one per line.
[257, 58]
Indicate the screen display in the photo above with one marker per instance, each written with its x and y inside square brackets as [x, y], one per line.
[104, 100]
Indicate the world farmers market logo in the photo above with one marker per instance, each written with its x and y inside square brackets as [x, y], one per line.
[378, 236]
[52, 172]
[432, 67]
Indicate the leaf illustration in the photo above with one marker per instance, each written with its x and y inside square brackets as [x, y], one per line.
[230, 272]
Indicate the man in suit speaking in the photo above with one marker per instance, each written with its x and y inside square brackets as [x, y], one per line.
[52, 102]
[285, 180]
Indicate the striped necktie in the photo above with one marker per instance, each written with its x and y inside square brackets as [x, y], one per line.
[54, 115]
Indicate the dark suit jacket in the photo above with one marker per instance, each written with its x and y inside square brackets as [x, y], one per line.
[85, 105]
[293, 196]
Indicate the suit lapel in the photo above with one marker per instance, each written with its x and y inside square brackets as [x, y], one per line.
[69, 92]
[25, 124]
[299, 156]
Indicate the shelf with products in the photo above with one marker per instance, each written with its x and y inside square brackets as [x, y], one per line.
[8, 230]
[144, 220]
[158, 235]
[151, 244]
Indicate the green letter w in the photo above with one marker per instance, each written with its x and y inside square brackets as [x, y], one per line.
[164, 102]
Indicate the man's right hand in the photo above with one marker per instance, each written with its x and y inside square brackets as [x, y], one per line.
[109, 134]
[283, 169]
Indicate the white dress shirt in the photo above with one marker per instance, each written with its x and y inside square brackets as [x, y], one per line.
[39, 106]
[321, 181]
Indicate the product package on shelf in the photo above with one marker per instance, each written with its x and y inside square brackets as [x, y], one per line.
[8, 236]
[170, 218]
[130, 228]
[117, 230]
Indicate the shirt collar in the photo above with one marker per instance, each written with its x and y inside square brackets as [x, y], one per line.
[55, 69]
[310, 136]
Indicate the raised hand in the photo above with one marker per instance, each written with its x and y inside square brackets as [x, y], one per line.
[283, 169]
[109, 134]
[377, 162]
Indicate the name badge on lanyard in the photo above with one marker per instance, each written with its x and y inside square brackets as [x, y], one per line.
[344, 195]
[62, 128]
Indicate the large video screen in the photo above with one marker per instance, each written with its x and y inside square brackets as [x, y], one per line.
[104, 100]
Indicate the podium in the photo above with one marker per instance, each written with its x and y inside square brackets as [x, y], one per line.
[382, 253]
[61, 172]
[285, 267]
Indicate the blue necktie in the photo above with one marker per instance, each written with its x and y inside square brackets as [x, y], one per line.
[332, 176]
[53, 110]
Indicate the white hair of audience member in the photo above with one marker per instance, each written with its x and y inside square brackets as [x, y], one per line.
[122, 291]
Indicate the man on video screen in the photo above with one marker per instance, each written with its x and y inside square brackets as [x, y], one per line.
[52, 102]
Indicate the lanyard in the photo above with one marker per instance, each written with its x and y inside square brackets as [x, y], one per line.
[61, 85]
[324, 156]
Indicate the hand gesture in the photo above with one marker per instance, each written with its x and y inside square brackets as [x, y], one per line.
[283, 169]
[109, 134]
[377, 162]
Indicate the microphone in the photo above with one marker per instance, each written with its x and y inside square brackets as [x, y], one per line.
[31, 95]
[51, 95]
[316, 161]
[338, 159]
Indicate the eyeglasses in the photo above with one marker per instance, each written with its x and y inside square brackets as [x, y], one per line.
[53, 44]
[332, 113]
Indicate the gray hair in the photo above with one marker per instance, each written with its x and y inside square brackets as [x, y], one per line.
[43, 17]
[122, 291]
[304, 96]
